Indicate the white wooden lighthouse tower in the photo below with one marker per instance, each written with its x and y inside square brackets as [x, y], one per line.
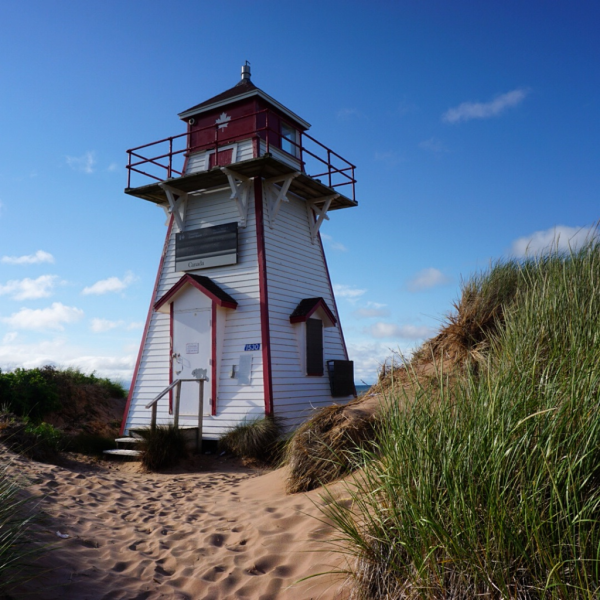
[243, 297]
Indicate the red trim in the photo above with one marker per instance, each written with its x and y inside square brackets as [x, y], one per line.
[146, 327]
[171, 325]
[214, 360]
[337, 312]
[188, 280]
[264, 297]
[320, 304]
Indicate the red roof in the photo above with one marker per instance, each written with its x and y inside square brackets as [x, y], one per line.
[203, 284]
[307, 307]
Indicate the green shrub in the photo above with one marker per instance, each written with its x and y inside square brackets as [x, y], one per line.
[491, 487]
[41, 442]
[257, 439]
[162, 447]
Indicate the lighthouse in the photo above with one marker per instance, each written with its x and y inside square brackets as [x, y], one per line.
[243, 302]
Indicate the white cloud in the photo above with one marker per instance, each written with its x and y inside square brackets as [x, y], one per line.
[42, 319]
[371, 310]
[31, 259]
[391, 330]
[561, 238]
[29, 289]
[390, 159]
[84, 163]
[333, 244]
[101, 325]
[345, 291]
[10, 337]
[427, 279]
[368, 358]
[112, 284]
[346, 114]
[56, 352]
[113, 167]
[485, 110]
[432, 144]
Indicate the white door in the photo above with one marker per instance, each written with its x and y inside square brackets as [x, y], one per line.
[192, 352]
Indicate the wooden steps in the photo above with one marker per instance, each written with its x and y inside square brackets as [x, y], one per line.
[124, 452]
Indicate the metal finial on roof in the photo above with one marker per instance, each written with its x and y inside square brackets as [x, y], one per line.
[246, 72]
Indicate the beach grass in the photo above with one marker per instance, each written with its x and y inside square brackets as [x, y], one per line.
[488, 484]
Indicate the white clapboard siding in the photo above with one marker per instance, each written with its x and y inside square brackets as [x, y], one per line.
[242, 326]
[295, 270]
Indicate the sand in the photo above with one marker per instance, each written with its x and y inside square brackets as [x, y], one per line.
[212, 529]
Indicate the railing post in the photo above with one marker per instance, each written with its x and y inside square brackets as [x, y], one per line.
[129, 170]
[177, 397]
[170, 158]
[153, 422]
[267, 130]
[200, 414]
[329, 165]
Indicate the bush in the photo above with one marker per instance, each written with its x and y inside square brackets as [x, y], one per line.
[162, 447]
[491, 487]
[257, 439]
[35, 393]
[41, 442]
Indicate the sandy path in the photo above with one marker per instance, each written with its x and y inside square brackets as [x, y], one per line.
[219, 532]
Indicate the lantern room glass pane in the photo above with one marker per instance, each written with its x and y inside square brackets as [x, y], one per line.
[289, 139]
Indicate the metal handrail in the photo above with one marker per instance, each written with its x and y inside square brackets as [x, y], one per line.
[221, 139]
[177, 383]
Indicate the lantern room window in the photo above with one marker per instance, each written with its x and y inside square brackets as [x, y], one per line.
[289, 139]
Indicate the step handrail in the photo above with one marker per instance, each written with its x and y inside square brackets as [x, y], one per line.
[177, 383]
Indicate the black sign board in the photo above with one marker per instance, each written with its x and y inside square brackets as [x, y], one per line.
[206, 247]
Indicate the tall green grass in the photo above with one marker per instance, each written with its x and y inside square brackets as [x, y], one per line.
[488, 485]
[15, 516]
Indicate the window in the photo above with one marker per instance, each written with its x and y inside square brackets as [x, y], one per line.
[289, 139]
[314, 347]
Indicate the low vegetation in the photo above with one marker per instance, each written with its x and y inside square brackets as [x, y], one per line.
[323, 448]
[16, 514]
[483, 479]
[35, 393]
[259, 439]
[163, 447]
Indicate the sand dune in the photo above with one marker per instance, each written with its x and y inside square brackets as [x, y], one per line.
[221, 531]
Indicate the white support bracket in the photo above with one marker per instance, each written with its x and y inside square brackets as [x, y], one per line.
[276, 196]
[177, 206]
[320, 213]
[240, 185]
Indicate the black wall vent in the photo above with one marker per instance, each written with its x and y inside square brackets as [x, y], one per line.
[314, 347]
[341, 378]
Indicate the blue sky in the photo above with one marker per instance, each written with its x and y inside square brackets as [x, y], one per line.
[474, 127]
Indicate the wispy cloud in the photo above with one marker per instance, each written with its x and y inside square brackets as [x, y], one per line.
[42, 319]
[30, 259]
[433, 145]
[113, 167]
[29, 289]
[485, 110]
[346, 114]
[348, 292]
[390, 159]
[333, 244]
[84, 163]
[560, 238]
[427, 279]
[372, 310]
[112, 284]
[392, 330]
